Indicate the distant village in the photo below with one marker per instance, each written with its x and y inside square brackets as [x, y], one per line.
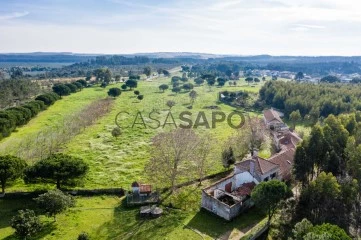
[345, 78]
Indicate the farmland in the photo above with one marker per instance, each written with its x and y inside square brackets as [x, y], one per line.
[116, 162]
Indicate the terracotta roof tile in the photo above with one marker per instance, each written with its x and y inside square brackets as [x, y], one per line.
[271, 114]
[285, 160]
[261, 166]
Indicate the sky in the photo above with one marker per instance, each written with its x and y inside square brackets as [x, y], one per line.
[240, 27]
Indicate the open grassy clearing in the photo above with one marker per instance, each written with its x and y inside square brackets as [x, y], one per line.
[106, 217]
[120, 161]
[116, 162]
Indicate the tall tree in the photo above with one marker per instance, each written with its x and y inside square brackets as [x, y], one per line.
[11, 168]
[299, 76]
[295, 116]
[163, 87]
[131, 83]
[59, 168]
[193, 96]
[268, 195]
[147, 71]
[172, 156]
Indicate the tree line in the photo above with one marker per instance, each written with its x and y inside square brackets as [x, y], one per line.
[312, 101]
[13, 117]
[327, 164]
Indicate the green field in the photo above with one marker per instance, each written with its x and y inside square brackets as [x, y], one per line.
[105, 217]
[116, 162]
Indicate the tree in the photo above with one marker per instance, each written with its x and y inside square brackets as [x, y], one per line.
[73, 88]
[78, 85]
[16, 72]
[26, 223]
[147, 71]
[253, 135]
[54, 202]
[83, 236]
[11, 168]
[263, 79]
[172, 156]
[249, 80]
[103, 75]
[58, 168]
[330, 79]
[170, 104]
[193, 95]
[117, 78]
[136, 92]
[221, 82]
[301, 229]
[2, 75]
[211, 82]
[305, 230]
[295, 116]
[61, 90]
[228, 157]
[204, 161]
[184, 77]
[116, 132]
[256, 80]
[176, 89]
[188, 86]
[299, 76]
[199, 81]
[163, 87]
[114, 92]
[166, 73]
[124, 86]
[267, 195]
[319, 199]
[131, 83]
[175, 79]
[140, 97]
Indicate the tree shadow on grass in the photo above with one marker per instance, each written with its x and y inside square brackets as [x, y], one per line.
[214, 226]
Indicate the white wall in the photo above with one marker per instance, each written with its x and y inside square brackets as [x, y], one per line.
[244, 177]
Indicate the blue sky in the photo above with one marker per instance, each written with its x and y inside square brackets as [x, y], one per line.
[277, 27]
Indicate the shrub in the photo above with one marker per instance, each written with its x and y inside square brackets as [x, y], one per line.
[25, 223]
[116, 132]
[83, 236]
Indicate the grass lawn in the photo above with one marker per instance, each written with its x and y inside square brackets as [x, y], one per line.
[106, 217]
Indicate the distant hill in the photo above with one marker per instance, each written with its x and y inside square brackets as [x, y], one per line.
[68, 57]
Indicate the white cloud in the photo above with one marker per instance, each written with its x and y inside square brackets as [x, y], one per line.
[298, 27]
[13, 15]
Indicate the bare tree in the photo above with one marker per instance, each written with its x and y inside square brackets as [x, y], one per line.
[203, 160]
[255, 134]
[173, 154]
[193, 95]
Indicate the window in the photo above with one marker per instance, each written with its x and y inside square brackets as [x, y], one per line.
[273, 175]
[266, 179]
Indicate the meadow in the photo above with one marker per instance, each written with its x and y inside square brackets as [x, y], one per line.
[106, 217]
[116, 162]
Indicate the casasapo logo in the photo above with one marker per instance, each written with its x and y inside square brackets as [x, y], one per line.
[185, 119]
